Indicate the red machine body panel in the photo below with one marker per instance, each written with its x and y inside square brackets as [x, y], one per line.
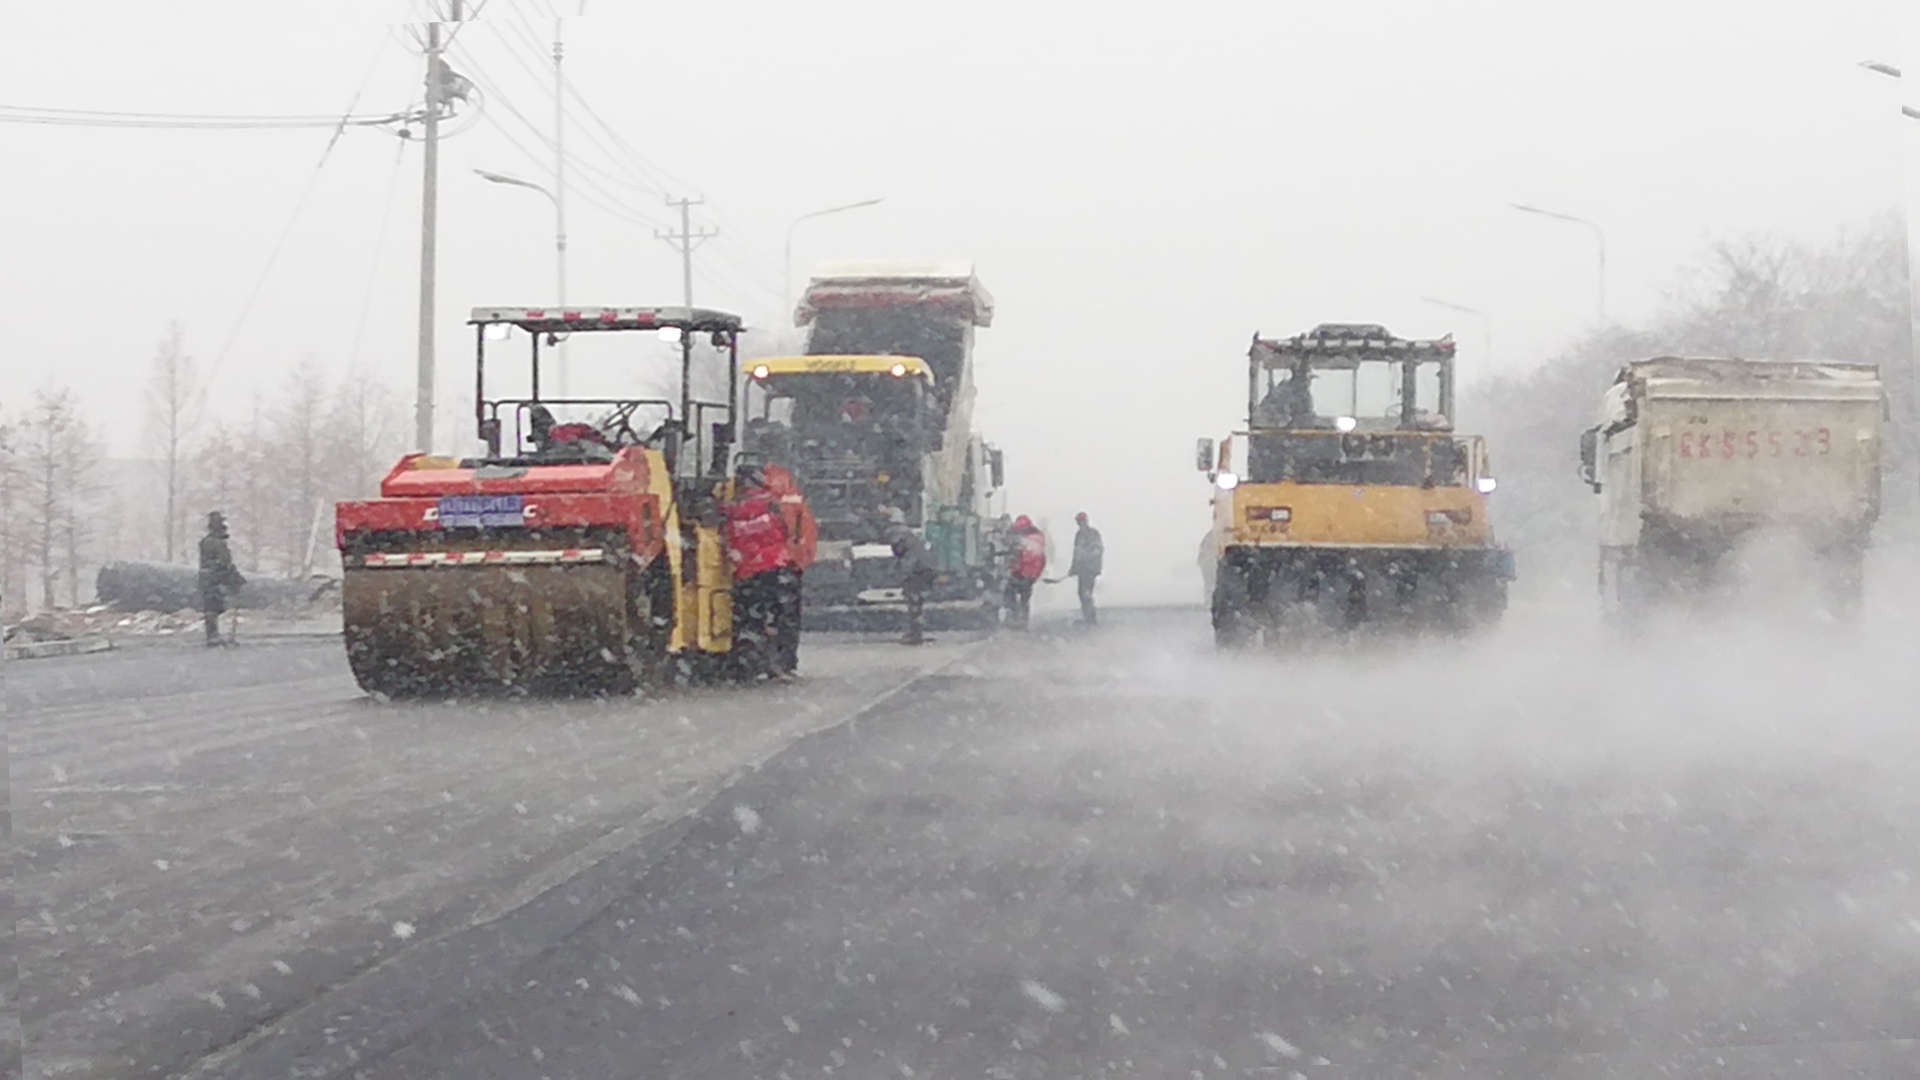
[572, 494]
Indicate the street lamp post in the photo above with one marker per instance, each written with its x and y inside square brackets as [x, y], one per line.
[786, 274]
[1913, 264]
[1890, 71]
[1599, 237]
[560, 256]
[1486, 321]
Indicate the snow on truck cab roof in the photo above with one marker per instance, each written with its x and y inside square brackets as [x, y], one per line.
[896, 366]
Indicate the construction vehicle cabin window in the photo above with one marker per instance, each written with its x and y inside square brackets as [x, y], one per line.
[1371, 389]
[1360, 457]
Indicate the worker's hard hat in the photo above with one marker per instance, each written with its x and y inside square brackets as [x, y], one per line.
[1081, 516]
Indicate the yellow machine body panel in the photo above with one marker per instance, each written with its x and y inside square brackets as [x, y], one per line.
[702, 577]
[1327, 515]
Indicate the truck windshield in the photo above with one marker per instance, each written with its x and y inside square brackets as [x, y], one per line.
[841, 409]
[1357, 458]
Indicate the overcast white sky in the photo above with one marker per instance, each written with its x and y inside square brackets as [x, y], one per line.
[1142, 186]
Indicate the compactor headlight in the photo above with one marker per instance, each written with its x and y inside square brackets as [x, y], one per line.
[1345, 424]
[898, 370]
[761, 371]
[1485, 485]
[1226, 481]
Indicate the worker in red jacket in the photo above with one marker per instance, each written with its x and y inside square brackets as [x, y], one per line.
[759, 551]
[1028, 563]
[803, 544]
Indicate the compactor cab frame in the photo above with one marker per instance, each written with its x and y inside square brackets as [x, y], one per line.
[1355, 497]
[584, 555]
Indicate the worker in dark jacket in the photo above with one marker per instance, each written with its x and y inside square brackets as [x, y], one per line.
[1027, 563]
[1088, 556]
[757, 549]
[220, 579]
[917, 573]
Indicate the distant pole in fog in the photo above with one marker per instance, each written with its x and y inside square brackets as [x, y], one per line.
[786, 274]
[560, 255]
[1600, 276]
[1889, 70]
[1913, 258]
[1486, 322]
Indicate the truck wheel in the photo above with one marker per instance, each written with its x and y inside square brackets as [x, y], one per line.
[1844, 581]
[1232, 609]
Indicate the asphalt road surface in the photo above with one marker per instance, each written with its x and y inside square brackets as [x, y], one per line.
[1543, 853]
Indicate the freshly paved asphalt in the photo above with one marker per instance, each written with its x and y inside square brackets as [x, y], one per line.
[1543, 853]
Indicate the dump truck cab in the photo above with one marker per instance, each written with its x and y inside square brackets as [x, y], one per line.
[578, 548]
[1349, 491]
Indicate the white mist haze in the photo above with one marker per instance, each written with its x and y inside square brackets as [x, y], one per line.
[1142, 188]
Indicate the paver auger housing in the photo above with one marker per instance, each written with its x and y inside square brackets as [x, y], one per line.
[567, 556]
[1351, 496]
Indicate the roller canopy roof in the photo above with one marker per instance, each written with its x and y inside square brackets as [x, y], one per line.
[1340, 345]
[583, 319]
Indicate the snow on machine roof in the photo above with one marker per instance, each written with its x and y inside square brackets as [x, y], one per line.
[582, 319]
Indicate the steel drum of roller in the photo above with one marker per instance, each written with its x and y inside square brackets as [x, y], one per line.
[446, 627]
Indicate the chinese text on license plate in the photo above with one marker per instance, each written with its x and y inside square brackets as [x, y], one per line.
[479, 511]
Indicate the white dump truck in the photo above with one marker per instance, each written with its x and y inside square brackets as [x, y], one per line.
[1694, 457]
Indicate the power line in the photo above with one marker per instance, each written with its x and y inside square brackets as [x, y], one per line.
[379, 248]
[493, 90]
[35, 114]
[313, 180]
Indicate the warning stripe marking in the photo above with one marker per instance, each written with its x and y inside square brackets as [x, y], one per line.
[558, 556]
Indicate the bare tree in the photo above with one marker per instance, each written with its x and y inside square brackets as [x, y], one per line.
[174, 400]
[299, 438]
[58, 462]
[78, 472]
[1761, 297]
[365, 434]
[13, 597]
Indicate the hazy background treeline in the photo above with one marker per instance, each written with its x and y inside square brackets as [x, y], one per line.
[1845, 297]
[275, 469]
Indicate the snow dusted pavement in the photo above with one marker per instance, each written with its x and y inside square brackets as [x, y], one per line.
[1123, 856]
[212, 841]
[1545, 853]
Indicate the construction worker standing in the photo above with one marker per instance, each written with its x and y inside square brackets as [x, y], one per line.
[1088, 556]
[803, 544]
[220, 579]
[1028, 563]
[918, 572]
[756, 541]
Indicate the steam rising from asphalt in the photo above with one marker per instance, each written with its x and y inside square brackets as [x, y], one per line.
[1707, 819]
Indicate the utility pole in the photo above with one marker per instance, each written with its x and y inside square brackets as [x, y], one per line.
[429, 222]
[560, 188]
[686, 240]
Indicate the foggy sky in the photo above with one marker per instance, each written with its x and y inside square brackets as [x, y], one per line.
[1142, 187]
